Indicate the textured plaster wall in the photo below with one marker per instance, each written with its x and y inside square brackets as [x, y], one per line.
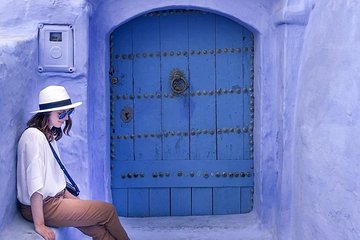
[328, 125]
[20, 83]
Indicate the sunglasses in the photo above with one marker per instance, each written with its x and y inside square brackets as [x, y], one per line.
[68, 112]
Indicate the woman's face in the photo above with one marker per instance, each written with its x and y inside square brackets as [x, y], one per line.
[55, 121]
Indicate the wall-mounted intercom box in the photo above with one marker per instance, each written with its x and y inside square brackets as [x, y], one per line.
[56, 48]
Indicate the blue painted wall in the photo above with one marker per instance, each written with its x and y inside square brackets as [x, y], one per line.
[307, 102]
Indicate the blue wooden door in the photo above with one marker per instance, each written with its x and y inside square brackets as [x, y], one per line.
[182, 112]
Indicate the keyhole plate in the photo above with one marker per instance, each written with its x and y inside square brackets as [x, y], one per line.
[126, 114]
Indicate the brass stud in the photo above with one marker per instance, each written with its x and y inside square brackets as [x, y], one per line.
[211, 92]
[192, 93]
[237, 174]
[198, 132]
[231, 174]
[225, 50]
[242, 174]
[185, 53]
[198, 52]
[146, 135]
[192, 52]
[219, 131]
[206, 175]
[238, 50]
[179, 173]
[245, 130]
[248, 174]
[166, 134]
[225, 91]
[218, 51]
[166, 95]
[152, 135]
[225, 130]
[125, 137]
[205, 131]
[132, 136]
[139, 135]
[154, 174]
[244, 90]
[212, 132]
[217, 174]
[204, 51]
[129, 175]
[218, 91]
[232, 50]
[167, 174]
[171, 53]
[204, 92]
[193, 133]
[158, 95]
[178, 53]
[212, 51]
[178, 133]
[231, 91]
[185, 133]
[161, 174]
[172, 133]
[237, 130]
[142, 174]
[192, 174]
[131, 97]
[224, 174]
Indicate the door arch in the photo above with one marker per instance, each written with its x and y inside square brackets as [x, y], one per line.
[182, 115]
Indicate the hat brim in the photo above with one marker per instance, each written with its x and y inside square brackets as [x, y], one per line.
[59, 108]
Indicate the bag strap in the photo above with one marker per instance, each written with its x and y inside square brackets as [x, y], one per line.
[63, 168]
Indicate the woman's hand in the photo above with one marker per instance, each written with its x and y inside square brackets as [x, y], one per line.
[36, 201]
[46, 232]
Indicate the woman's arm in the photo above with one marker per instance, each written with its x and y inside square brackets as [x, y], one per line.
[36, 202]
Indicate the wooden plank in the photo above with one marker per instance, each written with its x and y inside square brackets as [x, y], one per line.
[119, 197]
[159, 202]
[147, 106]
[175, 110]
[138, 202]
[202, 81]
[247, 65]
[201, 203]
[192, 173]
[226, 200]
[246, 199]
[229, 77]
[122, 39]
[180, 201]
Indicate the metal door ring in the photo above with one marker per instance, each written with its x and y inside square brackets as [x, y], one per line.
[178, 82]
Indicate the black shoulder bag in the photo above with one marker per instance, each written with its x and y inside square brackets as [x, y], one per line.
[70, 186]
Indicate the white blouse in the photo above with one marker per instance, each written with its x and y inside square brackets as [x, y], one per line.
[37, 168]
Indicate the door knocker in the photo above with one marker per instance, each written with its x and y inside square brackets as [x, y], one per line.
[178, 82]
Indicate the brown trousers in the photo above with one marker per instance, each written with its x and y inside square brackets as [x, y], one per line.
[94, 218]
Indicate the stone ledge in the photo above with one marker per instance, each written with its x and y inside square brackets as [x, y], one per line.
[20, 229]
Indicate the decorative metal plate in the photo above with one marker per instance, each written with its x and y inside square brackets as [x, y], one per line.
[126, 114]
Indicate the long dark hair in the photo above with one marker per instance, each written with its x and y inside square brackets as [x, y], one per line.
[41, 122]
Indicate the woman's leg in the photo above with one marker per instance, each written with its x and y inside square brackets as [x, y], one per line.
[94, 218]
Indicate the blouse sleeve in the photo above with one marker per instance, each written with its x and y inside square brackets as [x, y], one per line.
[35, 172]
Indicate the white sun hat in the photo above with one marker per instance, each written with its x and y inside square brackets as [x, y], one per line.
[54, 98]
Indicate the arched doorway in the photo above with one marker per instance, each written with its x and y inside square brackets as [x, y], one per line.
[182, 116]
